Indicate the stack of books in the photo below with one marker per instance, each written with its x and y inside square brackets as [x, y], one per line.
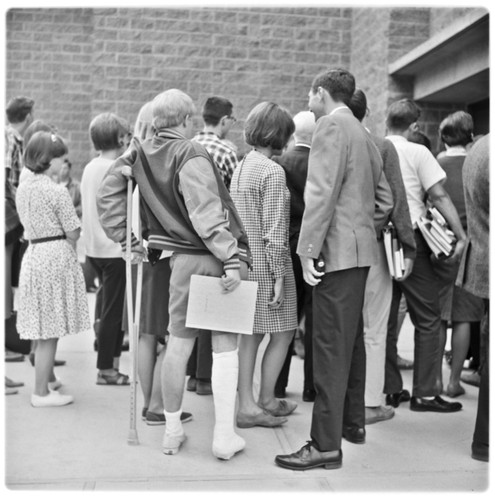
[437, 233]
[393, 251]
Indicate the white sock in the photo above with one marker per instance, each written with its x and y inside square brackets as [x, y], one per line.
[173, 424]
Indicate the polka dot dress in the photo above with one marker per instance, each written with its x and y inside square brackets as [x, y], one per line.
[52, 294]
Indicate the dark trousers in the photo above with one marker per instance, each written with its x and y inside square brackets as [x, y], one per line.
[339, 356]
[304, 309]
[421, 290]
[201, 359]
[480, 443]
[111, 275]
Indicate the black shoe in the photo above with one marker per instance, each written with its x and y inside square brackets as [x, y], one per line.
[397, 398]
[356, 435]
[437, 404]
[309, 395]
[308, 457]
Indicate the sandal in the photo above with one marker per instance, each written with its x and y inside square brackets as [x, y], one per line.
[117, 379]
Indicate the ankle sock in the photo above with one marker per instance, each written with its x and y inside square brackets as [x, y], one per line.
[173, 424]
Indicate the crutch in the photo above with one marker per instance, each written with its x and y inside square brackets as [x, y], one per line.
[133, 316]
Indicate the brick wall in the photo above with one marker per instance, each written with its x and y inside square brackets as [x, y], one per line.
[77, 63]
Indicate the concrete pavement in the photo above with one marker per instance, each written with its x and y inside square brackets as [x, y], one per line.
[84, 446]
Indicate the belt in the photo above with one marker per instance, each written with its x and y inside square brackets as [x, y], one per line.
[48, 238]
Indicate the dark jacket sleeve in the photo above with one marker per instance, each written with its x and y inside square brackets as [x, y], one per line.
[400, 215]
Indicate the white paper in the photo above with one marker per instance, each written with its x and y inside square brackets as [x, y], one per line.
[209, 308]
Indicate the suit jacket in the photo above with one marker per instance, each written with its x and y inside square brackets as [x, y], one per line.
[295, 163]
[473, 273]
[342, 211]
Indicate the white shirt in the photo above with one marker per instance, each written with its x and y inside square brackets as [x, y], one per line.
[420, 171]
[96, 242]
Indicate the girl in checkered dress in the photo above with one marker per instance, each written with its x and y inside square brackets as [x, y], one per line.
[262, 199]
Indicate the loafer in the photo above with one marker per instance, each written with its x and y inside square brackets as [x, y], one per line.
[472, 378]
[152, 418]
[378, 414]
[263, 419]
[308, 457]
[353, 434]
[203, 388]
[437, 405]
[191, 384]
[284, 407]
[397, 398]
[309, 395]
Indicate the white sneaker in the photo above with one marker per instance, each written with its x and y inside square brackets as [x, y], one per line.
[53, 398]
[55, 385]
[225, 449]
[171, 444]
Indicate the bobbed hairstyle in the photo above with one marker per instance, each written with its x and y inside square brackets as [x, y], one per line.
[358, 104]
[215, 108]
[401, 114]
[170, 108]
[339, 83]
[457, 129]
[268, 125]
[143, 128]
[41, 149]
[18, 108]
[106, 131]
[38, 126]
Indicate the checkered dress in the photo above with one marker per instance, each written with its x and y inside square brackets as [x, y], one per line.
[262, 199]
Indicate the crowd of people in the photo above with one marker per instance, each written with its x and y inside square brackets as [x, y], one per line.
[302, 214]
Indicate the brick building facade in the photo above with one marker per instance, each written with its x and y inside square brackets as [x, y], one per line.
[78, 62]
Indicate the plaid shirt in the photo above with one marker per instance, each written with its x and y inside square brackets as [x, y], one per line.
[13, 155]
[222, 153]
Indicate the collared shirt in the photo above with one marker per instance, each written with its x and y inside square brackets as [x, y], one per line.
[420, 171]
[222, 153]
[13, 155]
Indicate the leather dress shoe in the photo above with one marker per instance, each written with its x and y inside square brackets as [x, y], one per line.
[397, 398]
[309, 395]
[436, 404]
[263, 419]
[356, 435]
[308, 457]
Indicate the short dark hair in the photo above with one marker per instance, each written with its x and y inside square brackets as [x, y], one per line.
[358, 104]
[419, 137]
[106, 129]
[18, 108]
[268, 125]
[215, 108]
[339, 83]
[457, 129]
[41, 149]
[401, 114]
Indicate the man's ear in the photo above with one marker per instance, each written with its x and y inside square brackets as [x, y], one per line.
[414, 127]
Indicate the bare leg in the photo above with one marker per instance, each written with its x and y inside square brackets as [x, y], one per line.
[442, 340]
[43, 368]
[248, 349]
[146, 365]
[461, 336]
[273, 360]
[173, 371]
[156, 400]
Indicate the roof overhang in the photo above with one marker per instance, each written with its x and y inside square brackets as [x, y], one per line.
[452, 66]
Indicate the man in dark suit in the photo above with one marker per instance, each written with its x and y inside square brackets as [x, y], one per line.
[295, 163]
[344, 209]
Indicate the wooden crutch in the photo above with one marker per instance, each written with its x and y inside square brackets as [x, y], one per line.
[133, 315]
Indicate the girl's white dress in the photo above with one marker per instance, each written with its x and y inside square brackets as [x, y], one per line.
[52, 293]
